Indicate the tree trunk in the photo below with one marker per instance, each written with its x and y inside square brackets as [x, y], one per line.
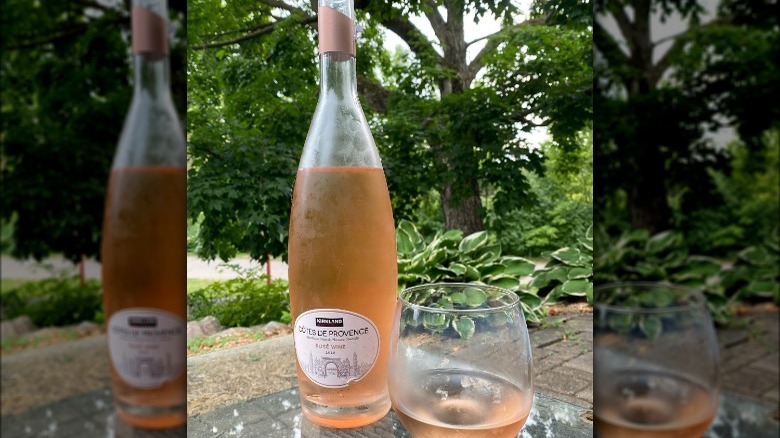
[459, 196]
[462, 213]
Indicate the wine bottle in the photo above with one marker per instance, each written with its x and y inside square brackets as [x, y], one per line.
[342, 254]
[144, 258]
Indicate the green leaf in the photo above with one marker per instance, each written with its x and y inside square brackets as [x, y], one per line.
[575, 287]
[458, 299]
[475, 297]
[472, 274]
[473, 242]
[661, 242]
[457, 268]
[651, 326]
[518, 266]
[530, 299]
[568, 256]
[488, 254]
[505, 282]
[435, 322]
[464, 326]
[589, 294]
[493, 269]
[578, 273]
[404, 243]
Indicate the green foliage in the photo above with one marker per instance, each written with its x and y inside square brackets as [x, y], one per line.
[559, 209]
[65, 82]
[751, 200]
[252, 96]
[664, 257]
[448, 257]
[55, 301]
[243, 301]
[569, 273]
[464, 325]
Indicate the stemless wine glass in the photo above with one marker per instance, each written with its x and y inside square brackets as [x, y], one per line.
[656, 362]
[460, 361]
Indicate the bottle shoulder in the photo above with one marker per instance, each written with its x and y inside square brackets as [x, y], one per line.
[152, 135]
[339, 135]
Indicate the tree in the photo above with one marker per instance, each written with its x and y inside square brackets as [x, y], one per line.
[442, 119]
[655, 105]
[66, 89]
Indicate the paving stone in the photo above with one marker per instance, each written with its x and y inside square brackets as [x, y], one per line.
[773, 395]
[541, 366]
[746, 351]
[728, 338]
[583, 363]
[586, 394]
[543, 338]
[750, 382]
[769, 363]
[583, 323]
[563, 380]
[566, 350]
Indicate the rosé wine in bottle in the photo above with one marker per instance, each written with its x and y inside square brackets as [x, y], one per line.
[342, 255]
[144, 259]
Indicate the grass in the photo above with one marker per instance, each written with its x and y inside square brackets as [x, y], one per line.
[194, 284]
[203, 344]
[7, 284]
[13, 344]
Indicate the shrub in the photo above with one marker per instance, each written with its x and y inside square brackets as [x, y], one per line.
[243, 301]
[569, 273]
[448, 257]
[637, 256]
[55, 301]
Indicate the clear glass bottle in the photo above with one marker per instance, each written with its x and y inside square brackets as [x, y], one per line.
[342, 254]
[144, 259]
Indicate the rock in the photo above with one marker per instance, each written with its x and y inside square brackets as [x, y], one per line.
[193, 329]
[275, 327]
[210, 325]
[237, 331]
[87, 328]
[7, 329]
[23, 325]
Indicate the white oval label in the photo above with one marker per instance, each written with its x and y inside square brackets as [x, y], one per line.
[335, 347]
[147, 346]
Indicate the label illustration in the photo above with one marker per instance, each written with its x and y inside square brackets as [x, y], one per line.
[147, 346]
[335, 347]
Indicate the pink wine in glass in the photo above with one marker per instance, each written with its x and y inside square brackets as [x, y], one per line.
[653, 405]
[445, 403]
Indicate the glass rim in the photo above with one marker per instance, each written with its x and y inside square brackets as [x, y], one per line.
[514, 298]
[698, 303]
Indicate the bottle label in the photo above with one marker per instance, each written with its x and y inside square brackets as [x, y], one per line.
[147, 347]
[335, 347]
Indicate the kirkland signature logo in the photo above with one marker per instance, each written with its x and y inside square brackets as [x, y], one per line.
[329, 322]
[142, 321]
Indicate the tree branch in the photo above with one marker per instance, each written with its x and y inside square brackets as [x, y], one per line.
[607, 45]
[282, 5]
[494, 40]
[625, 25]
[437, 21]
[263, 29]
[662, 65]
[375, 95]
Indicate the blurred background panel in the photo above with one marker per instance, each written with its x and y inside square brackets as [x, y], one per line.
[686, 144]
[66, 85]
[686, 171]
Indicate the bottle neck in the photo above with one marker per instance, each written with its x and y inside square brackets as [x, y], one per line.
[152, 78]
[338, 77]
